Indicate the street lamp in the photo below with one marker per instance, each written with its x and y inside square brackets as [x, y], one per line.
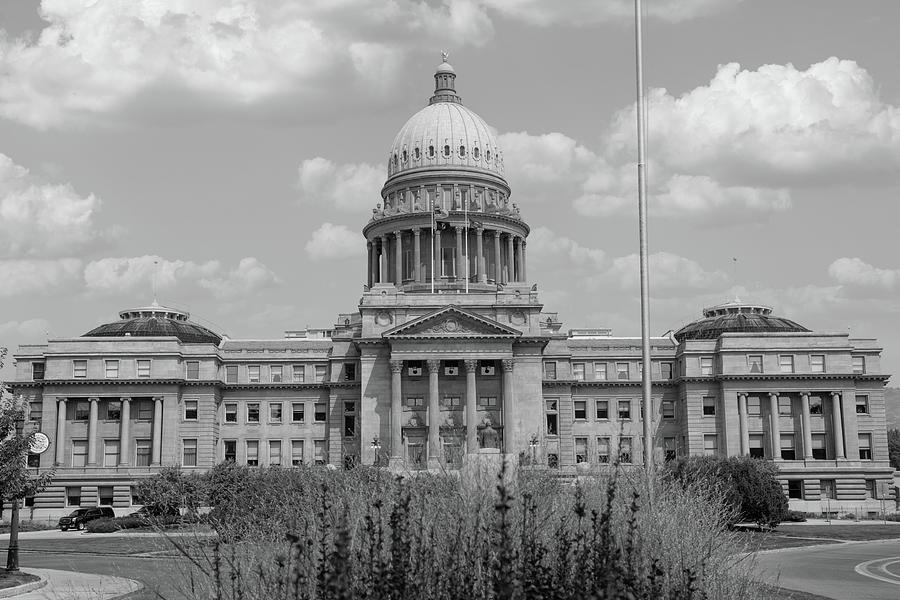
[12, 555]
[376, 447]
[533, 444]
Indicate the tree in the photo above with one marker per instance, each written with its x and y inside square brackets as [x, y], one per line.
[748, 485]
[894, 448]
[171, 489]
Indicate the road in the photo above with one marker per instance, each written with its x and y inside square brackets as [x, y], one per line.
[848, 571]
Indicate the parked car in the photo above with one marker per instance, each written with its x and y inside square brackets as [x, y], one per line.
[79, 517]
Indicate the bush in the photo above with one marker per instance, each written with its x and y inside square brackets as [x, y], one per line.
[129, 522]
[104, 525]
[171, 489]
[794, 516]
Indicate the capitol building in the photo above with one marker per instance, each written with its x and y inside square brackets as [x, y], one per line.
[450, 350]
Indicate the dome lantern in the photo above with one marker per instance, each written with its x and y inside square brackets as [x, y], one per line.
[445, 83]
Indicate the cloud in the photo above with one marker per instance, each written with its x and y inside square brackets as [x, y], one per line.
[35, 276]
[335, 242]
[858, 273]
[31, 329]
[669, 274]
[41, 219]
[551, 158]
[348, 187]
[545, 246]
[590, 12]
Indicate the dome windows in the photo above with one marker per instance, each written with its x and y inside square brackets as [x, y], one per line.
[487, 156]
[431, 151]
[446, 150]
[476, 152]
[462, 151]
[405, 155]
[416, 153]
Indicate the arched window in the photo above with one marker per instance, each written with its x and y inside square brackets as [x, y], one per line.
[476, 152]
[395, 160]
[446, 150]
[462, 150]
[416, 153]
[405, 156]
[487, 156]
[430, 151]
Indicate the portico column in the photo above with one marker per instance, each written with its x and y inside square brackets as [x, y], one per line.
[157, 430]
[498, 263]
[837, 425]
[460, 267]
[383, 268]
[396, 409]
[774, 427]
[742, 418]
[437, 266]
[471, 397]
[398, 255]
[807, 434]
[417, 254]
[520, 276]
[510, 259]
[434, 417]
[524, 274]
[92, 433]
[60, 430]
[509, 440]
[479, 261]
[369, 264]
[124, 424]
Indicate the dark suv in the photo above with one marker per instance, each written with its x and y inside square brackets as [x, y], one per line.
[79, 517]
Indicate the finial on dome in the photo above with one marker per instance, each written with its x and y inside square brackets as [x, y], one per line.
[444, 56]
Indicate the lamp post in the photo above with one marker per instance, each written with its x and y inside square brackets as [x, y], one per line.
[376, 446]
[12, 555]
[533, 444]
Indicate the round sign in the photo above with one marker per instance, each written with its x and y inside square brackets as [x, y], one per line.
[39, 443]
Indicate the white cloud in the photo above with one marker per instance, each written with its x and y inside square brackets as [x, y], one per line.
[551, 158]
[348, 187]
[335, 242]
[590, 12]
[42, 219]
[545, 246]
[669, 274]
[856, 272]
[31, 330]
[23, 277]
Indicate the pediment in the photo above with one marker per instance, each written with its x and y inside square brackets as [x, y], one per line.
[451, 322]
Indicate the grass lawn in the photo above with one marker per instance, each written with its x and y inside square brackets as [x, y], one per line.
[840, 532]
[8, 580]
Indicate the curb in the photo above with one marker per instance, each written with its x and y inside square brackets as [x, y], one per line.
[24, 588]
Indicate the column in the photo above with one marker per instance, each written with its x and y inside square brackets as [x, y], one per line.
[370, 265]
[498, 264]
[396, 409]
[807, 433]
[157, 430]
[437, 254]
[471, 397]
[383, 268]
[837, 426]
[124, 439]
[479, 249]
[774, 427]
[434, 415]
[520, 275]
[417, 254]
[398, 256]
[60, 430]
[524, 274]
[460, 266]
[742, 420]
[92, 433]
[509, 439]
[510, 259]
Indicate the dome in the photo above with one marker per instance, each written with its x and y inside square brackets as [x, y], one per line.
[156, 320]
[736, 317]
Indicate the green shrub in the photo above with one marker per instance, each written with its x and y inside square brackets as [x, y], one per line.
[129, 522]
[794, 516]
[104, 525]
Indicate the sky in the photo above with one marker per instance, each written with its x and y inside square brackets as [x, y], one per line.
[235, 149]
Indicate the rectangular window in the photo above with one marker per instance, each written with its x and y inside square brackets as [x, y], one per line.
[786, 363]
[252, 453]
[105, 494]
[755, 363]
[231, 412]
[602, 409]
[297, 410]
[79, 453]
[143, 368]
[349, 372]
[417, 403]
[600, 371]
[669, 449]
[756, 446]
[319, 451]
[82, 410]
[624, 409]
[552, 414]
[859, 365]
[828, 489]
[275, 409]
[581, 449]
[706, 365]
[253, 373]
[230, 450]
[79, 369]
[189, 453]
[296, 453]
[871, 488]
[625, 447]
[665, 370]
[192, 369]
[321, 371]
[142, 451]
[275, 373]
[299, 373]
[578, 371]
[110, 453]
[274, 453]
[580, 410]
[818, 446]
[488, 367]
[862, 405]
[450, 403]
[414, 368]
[36, 411]
[815, 405]
[231, 374]
[37, 371]
[622, 370]
[321, 412]
[668, 409]
[112, 369]
[817, 363]
[785, 406]
[709, 406]
[788, 452]
[451, 368]
[753, 405]
[253, 412]
[73, 496]
[603, 449]
[190, 410]
[113, 410]
[710, 444]
[33, 461]
[795, 488]
[486, 402]
[549, 370]
[448, 262]
[350, 418]
[865, 446]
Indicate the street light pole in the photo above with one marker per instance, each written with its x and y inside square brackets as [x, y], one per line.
[12, 555]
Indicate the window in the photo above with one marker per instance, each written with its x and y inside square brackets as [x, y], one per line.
[753, 405]
[73, 496]
[581, 450]
[253, 373]
[416, 402]
[862, 405]
[321, 370]
[36, 411]
[296, 453]
[82, 410]
[665, 370]
[580, 410]
[450, 403]
[231, 374]
[784, 406]
[706, 365]
[817, 363]
[143, 368]
[827, 488]
[110, 453]
[451, 368]
[549, 370]
[79, 453]
[625, 450]
[320, 413]
[622, 370]
[578, 371]
[552, 414]
[756, 446]
[624, 409]
[602, 409]
[448, 262]
[230, 450]
[859, 365]
[787, 447]
[350, 418]
[252, 453]
[786, 363]
[274, 453]
[871, 488]
[113, 410]
[34, 461]
[755, 363]
[600, 371]
[795, 488]
[668, 409]
[709, 406]
[275, 409]
[190, 410]
[865, 446]
[231, 412]
[112, 369]
[818, 446]
[189, 453]
[142, 450]
[669, 449]
[815, 405]
[349, 372]
[319, 451]
[297, 409]
[603, 449]
[486, 402]
[275, 373]
[37, 371]
[710, 444]
[253, 412]
[299, 373]
[79, 369]
[193, 369]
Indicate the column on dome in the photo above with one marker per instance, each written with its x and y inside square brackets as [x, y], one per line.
[157, 430]
[417, 254]
[774, 426]
[471, 398]
[92, 433]
[436, 248]
[369, 264]
[479, 248]
[524, 273]
[837, 425]
[60, 429]
[510, 259]
[509, 439]
[398, 258]
[434, 415]
[383, 266]
[742, 421]
[460, 267]
[520, 250]
[497, 262]
[396, 409]
[807, 431]
[124, 433]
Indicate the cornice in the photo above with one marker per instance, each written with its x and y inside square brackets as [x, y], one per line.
[606, 383]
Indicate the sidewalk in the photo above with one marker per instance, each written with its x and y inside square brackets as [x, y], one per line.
[69, 585]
